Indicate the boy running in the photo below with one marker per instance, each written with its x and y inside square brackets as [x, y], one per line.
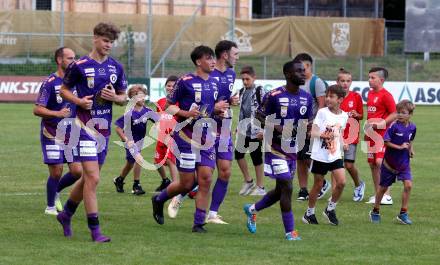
[327, 132]
[99, 81]
[281, 111]
[137, 118]
[398, 139]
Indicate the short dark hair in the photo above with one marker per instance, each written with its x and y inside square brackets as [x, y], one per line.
[108, 30]
[288, 67]
[405, 105]
[247, 69]
[59, 53]
[304, 57]
[224, 46]
[171, 78]
[381, 71]
[199, 52]
[337, 90]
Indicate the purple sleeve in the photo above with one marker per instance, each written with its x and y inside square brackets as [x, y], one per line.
[120, 122]
[388, 133]
[413, 135]
[174, 95]
[44, 94]
[266, 106]
[72, 75]
[121, 83]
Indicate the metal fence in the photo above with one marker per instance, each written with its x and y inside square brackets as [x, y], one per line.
[33, 61]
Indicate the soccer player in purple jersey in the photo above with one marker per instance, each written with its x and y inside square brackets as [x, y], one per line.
[52, 109]
[131, 128]
[196, 94]
[226, 53]
[290, 106]
[99, 81]
[398, 140]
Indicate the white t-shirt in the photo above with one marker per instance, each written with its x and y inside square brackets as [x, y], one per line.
[330, 151]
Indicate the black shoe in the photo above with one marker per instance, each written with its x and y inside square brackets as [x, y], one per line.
[119, 184]
[157, 210]
[199, 229]
[137, 189]
[163, 185]
[331, 216]
[310, 219]
[303, 195]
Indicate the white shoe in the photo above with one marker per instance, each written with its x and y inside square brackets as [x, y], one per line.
[358, 194]
[246, 188]
[386, 200]
[174, 206]
[257, 191]
[216, 219]
[372, 200]
[51, 210]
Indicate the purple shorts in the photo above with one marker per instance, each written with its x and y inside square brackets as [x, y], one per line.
[129, 153]
[277, 167]
[388, 177]
[188, 157]
[53, 153]
[88, 149]
[224, 148]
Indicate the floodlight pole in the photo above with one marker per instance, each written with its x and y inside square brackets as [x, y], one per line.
[232, 24]
[62, 24]
[148, 47]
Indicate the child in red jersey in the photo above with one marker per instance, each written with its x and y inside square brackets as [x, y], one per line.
[352, 104]
[381, 112]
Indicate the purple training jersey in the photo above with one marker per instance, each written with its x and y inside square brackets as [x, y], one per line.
[89, 78]
[226, 81]
[190, 91]
[286, 107]
[49, 97]
[399, 133]
[138, 121]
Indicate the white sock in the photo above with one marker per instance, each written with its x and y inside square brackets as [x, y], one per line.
[212, 214]
[310, 211]
[331, 206]
[57, 195]
[252, 209]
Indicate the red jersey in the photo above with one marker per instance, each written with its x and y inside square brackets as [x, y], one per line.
[167, 121]
[353, 101]
[380, 105]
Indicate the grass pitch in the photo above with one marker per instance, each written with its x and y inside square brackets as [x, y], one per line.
[27, 236]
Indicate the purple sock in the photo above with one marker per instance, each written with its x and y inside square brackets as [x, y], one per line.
[199, 217]
[288, 221]
[93, 223]
[268, 200]
[70, 208]
[66, 181]
[218, 194]
[51, 190]
[163, 196]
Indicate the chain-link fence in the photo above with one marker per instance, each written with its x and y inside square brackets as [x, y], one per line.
[34, 60]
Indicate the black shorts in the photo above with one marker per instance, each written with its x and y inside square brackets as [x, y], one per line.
[256, 155]
[322, 168]
[305, 153]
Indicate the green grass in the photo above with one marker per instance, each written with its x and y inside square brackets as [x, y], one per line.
[27, 236]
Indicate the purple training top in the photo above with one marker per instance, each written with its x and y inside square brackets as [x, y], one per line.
[226, 81]
[49, 97]
[286, 106]
[89, 78]
[191, 90]
[398, 134]
[138, 121]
